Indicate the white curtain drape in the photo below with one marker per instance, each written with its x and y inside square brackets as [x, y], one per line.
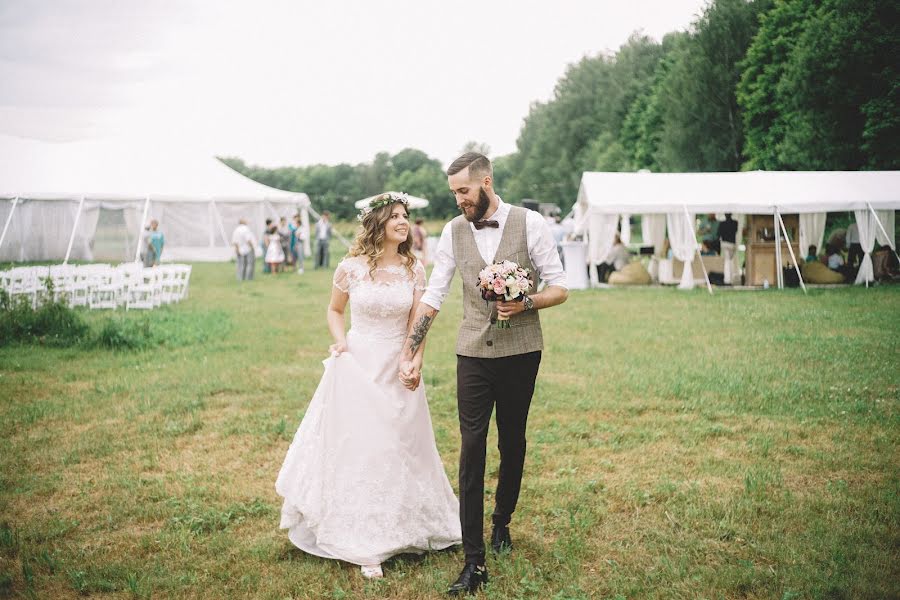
[40, 230]
[812, 231]
[684, 244]
[625, 233]
[601, 231]
[869, 232]
[83, 246]
[653, 231]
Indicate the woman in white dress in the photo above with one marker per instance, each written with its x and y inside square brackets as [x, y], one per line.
[274, 252]
[362, 480]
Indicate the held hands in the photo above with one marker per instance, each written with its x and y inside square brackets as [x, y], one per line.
[410, 373]
[337, 348]
[507, 309]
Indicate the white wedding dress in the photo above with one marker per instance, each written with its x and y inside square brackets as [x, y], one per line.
[362, 480]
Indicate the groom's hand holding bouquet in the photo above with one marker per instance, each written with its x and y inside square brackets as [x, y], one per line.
[505, 283]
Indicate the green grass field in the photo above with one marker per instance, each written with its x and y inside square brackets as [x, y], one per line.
[681, 445]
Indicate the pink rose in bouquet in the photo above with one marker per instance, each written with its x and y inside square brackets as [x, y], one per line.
[504, 281]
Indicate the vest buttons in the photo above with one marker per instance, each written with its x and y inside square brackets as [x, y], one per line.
[489, 343]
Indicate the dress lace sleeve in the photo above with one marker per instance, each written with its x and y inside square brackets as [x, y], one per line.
[419, 272]
[342, 277]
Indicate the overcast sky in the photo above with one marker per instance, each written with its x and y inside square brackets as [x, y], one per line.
[294, 82]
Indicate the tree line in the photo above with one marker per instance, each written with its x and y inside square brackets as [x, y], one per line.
[759, 84]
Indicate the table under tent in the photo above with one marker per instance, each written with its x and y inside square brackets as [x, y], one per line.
[51, 196]
[669, 203]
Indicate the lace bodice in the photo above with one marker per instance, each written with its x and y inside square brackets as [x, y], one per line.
[379, 304]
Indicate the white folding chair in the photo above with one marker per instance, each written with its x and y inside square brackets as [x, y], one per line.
[80, 286]
[131, 276]
[141, 290]
[21, 284]
[169, 283]
[39, 293]
[105, 289]
[62, 277]
[184, 278]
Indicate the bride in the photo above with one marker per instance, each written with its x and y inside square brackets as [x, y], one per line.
[362, 481]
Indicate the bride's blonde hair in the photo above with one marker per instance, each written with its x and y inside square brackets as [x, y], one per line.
[369, 240]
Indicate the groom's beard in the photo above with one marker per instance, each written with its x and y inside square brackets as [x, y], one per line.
[483, 204]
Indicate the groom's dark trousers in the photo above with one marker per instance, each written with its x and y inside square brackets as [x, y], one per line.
[481, 383]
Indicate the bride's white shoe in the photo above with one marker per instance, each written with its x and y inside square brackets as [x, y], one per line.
[372, 571]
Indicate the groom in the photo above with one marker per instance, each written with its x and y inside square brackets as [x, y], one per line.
[494, 366]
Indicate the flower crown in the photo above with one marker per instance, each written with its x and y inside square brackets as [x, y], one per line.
[383, 200]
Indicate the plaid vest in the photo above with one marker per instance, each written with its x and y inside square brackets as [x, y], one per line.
[479, 336]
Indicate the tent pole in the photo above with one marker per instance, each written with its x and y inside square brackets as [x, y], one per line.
[140, 237]
[791, 250]
[687, 217]
[15, 202]
[74, 229]
[779, 276]
[874, 214]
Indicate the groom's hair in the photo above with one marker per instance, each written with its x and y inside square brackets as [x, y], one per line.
[479, 165]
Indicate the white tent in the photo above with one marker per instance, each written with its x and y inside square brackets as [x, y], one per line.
[671, 200]
[51, 195]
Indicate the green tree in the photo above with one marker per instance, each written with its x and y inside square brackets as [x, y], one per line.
[820, 87]
[702, 128]
[563, 137]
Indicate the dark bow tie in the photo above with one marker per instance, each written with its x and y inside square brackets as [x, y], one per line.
[482, 224]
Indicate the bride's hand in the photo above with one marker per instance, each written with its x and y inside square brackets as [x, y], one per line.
[409, 374]
[337, 348]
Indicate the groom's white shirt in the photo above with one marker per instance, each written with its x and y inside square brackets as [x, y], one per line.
[541, 250]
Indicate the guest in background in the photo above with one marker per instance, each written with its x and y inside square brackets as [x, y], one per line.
[419, 238]
[297, 239]
[155, 242]
[811, 255]
[263, 244]
[323, 240]
[146, 248]
[836, 261]
[285, 232]
[559, 234]
[709, 232]
[244, 242]
[274, 253]
[616, 260]
[854, 248]
[728, 247]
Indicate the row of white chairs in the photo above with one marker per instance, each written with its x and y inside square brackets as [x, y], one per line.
[99, 286]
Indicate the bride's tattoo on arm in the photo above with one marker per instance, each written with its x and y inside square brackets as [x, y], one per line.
[420, 329]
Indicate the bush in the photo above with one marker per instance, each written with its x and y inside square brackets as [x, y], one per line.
[53, 324]
[57, 324]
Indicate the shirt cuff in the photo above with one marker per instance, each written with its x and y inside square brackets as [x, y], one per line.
[431, 300]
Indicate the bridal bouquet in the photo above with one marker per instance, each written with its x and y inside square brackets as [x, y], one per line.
[504, 281]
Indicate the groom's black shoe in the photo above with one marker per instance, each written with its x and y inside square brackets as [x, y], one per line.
[470, 580]
[500, 540]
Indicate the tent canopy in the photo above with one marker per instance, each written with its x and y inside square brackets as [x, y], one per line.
[753, 192]
[117, 170]
[670, 201]
[60, 188]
